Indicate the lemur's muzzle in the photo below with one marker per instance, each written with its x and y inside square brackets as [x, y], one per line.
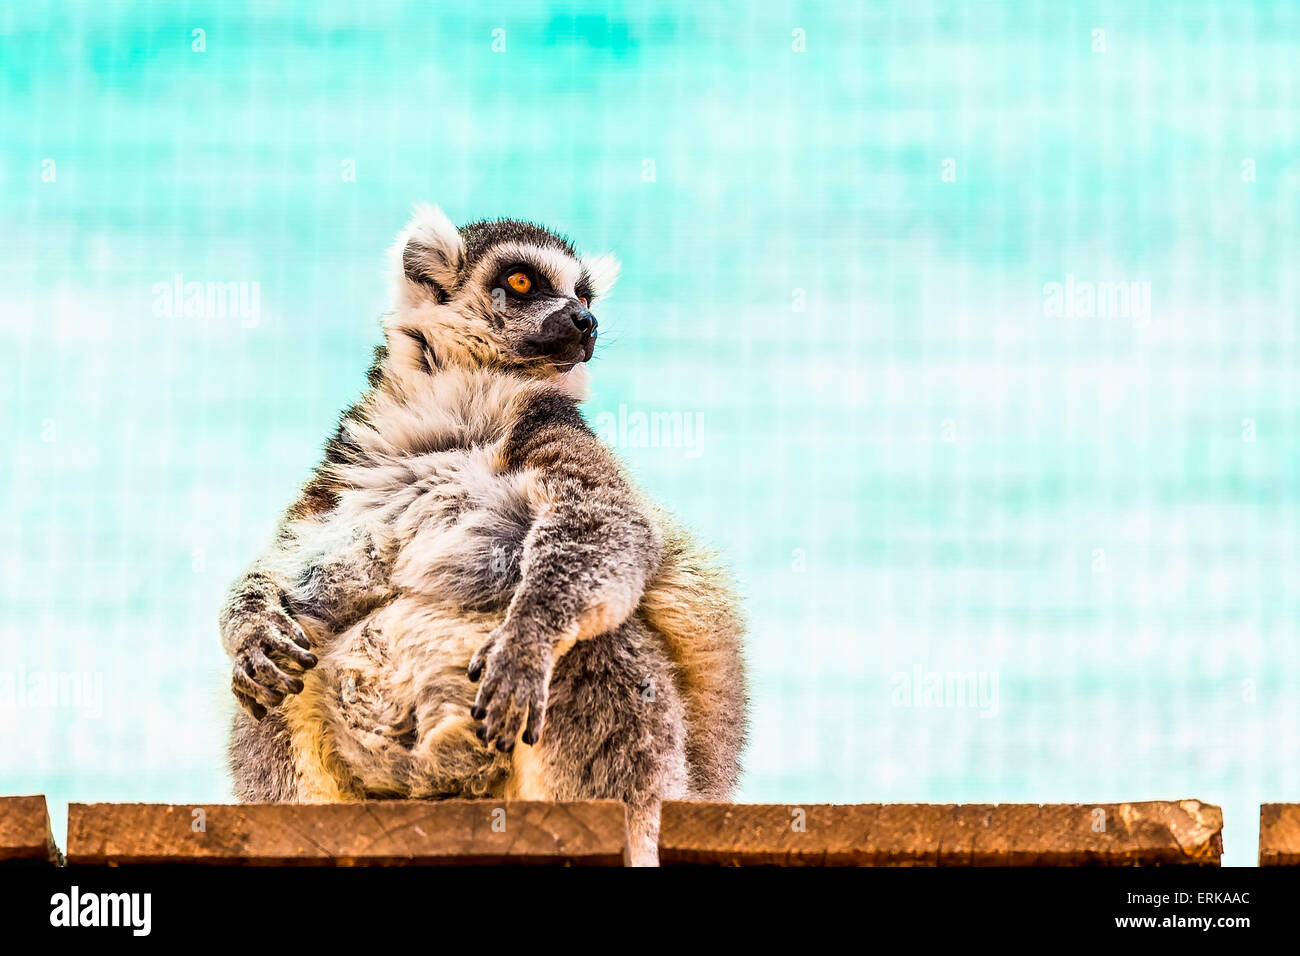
[567, 335]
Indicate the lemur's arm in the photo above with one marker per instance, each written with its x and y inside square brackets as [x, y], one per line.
[585, 565]
[314, 575]
[269, 649]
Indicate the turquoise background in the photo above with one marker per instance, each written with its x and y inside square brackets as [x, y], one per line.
[922, 468]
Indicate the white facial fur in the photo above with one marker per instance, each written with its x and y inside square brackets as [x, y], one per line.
[469, 326]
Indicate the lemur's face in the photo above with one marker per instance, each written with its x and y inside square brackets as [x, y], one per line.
[536, 294]
[526, 296]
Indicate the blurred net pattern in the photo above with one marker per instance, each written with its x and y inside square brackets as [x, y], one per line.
[1004, 538]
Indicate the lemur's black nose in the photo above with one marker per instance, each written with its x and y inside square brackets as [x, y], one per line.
[584, 321]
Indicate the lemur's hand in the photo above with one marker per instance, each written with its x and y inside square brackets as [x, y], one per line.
[516, 670]
[271, 654]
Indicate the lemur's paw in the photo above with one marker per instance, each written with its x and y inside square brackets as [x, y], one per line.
[516, 673]
[271, 655]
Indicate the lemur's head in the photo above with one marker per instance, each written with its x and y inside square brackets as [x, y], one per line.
[501, 292]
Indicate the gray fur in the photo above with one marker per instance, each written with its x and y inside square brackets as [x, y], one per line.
[467, 527]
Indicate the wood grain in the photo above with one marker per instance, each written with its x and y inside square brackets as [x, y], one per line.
[1279, 834]
[378, 833]
[25, 835]
[1125, 834]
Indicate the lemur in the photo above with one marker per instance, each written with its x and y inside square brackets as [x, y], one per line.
[470, 597]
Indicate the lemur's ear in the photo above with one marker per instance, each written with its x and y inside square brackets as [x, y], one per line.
[601, 272]
[429, 254]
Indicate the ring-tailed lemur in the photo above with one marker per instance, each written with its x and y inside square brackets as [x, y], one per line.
[467, 527]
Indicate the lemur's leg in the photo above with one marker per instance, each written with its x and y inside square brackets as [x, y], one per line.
[262, 761]
[615, 728]
[692, 605]
[584, 567]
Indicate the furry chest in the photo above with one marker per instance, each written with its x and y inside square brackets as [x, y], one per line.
[457, 529]
[390, 698]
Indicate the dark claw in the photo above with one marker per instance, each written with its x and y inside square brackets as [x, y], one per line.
[505, 746]
[477, 712]
[528, 738]
[481, 733]
[475, 672]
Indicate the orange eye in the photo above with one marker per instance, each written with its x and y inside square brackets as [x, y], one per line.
[520, 282]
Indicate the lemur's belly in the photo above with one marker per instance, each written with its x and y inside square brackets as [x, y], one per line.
[386, 710]
[390, 700]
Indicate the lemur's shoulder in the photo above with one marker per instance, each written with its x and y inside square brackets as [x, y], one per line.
[546, 420]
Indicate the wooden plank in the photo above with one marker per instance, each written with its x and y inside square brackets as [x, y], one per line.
[1279, 834]
[375, 833]
[25, 834]
[1124, 834]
